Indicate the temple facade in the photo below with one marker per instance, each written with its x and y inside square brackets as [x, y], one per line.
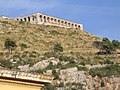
[39, 18]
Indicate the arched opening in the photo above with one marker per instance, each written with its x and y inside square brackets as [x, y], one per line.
[78, 26]
[69, 24]
[75, 25]
[25, 19]
[29, 19]
[72, 25]
[62, 22]
[65, 23]
[55, 20]
[59, 22]
[17, 19]
[52, 20]
[44, 18]
[48, 19]
[33, 18]
[41, 18]
[21, 20]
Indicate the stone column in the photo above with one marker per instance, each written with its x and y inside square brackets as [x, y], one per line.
[27, 19]
[23, 19]
[44, 19]
[37, 18]
[33, 19]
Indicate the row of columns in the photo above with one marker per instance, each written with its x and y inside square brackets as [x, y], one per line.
[40, 19]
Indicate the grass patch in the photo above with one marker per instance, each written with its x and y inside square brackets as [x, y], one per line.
[53, 32]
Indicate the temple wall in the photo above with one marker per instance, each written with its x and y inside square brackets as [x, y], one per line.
[39, 18]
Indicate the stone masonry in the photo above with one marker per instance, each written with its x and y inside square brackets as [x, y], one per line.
[39, 18]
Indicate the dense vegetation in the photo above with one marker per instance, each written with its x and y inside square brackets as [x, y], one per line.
[106, 46]
[109, 70]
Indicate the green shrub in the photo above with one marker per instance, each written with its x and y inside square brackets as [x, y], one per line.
[6, 63]
[72, 62]
[58, 48]
[65, 58]
[99, 58]
[5, 22]
[61, 84]
[56, 75]
[40, 71]
[106, 46]
[1, 54]
[54, 32]
[116, 44]
[68, 84]
[50, 66]
[107, 61]
[10, 45]
[82, 63]
[80, 68]
[23, 46]
[49, 54]
[68, 65]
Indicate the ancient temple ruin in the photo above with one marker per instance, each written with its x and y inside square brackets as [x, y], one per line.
[39, 18]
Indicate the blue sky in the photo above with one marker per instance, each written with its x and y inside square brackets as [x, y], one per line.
[100, 17]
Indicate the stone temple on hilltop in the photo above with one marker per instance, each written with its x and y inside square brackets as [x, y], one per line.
[39, 18]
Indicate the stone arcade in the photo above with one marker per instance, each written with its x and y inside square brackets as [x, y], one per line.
[39, 18]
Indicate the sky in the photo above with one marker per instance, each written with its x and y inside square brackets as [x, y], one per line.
[99, 17]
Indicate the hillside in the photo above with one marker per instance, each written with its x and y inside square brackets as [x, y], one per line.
[42, 38]
[78, 67]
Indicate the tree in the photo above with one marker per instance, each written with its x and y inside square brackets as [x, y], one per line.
[58, 48]
[55, 74]
[107, 46]
[10, 45]
[116, 43]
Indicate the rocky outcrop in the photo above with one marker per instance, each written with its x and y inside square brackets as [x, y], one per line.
[72, 75]
[75, 79]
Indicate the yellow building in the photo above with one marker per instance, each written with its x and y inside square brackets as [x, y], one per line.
[13, 80]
